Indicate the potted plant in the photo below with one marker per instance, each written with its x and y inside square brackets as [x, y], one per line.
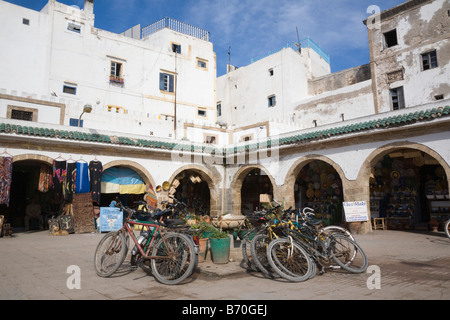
[202, 230]
[220, 246]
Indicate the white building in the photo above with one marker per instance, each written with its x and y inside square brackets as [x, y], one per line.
[134, 84]
[283, 125]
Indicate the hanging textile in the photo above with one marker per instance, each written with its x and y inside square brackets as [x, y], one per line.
[122, 180]
[82, 180]
[95, 175]
[45, 179]
[150, 197]
[5, 179]
[59, 175]
[69, 183]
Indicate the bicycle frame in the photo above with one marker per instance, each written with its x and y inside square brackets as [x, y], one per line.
[145, 249]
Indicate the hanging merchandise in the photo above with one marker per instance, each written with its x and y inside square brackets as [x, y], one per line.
[59, 175]
[5, 179]
[69, 184]
[45, 180]
[95, 175]
[122, 180]
[82, 181]
[150, 197]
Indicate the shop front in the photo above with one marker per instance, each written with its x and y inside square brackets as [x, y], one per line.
[409, 189]
[318, 186]
[191, 188]
[255, 187]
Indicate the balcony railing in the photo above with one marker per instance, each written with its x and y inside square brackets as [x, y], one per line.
[177, 26]
[305, 43]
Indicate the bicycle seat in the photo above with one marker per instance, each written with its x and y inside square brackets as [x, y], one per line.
[143, 215]
[314, 222]
[173, 222]
[163, 213]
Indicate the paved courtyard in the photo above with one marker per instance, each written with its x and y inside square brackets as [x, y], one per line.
[402, 265]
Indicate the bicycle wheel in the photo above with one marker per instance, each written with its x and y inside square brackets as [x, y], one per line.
[246, 250]
[347, 254]
[110, 254]
[289, 260]
[327, 232]
[331, 230]
[447, 228]
[177, 258]
[259, 246]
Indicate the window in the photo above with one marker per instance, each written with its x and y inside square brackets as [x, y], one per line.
[26, 21]
[74, 27]
[116, 72]
[22, 115]
[201, 63]
[439, 97]
[271, 101]
[397, 98]
[201, 112]
[76, 122]
[429, 60]
[176, 48]
[166, 82]
[219, 109]
[270, 72]
[390, 38]
[70, 89]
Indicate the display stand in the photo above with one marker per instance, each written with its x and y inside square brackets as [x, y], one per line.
[83, 213]
[440, 211]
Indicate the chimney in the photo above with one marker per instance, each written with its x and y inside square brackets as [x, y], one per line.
[89, 6]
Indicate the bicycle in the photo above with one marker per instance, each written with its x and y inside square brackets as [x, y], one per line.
[447, 228]
[174, 225]
[172, 255]
[337, 247]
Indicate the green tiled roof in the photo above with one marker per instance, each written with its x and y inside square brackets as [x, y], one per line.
[387, 122]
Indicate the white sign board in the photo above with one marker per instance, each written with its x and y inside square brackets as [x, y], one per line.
[355, 211]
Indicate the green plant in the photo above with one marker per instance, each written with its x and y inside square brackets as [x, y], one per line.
[201, 227]
[219, 234]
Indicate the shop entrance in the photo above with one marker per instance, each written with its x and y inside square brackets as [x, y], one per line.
[123, 183]
[255, 184]
[30, 186]
[194, 191]
[319, 187]
[409, 189]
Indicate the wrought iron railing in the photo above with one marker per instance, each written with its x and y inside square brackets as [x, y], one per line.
[177, 26]
[305, 43]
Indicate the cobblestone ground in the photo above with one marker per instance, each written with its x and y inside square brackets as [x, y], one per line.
[35, 265]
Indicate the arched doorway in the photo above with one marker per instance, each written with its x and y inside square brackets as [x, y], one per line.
[409, 188]
[255, 191]
[31, 182]
[191, 187]
[124, 183]
[319, 186]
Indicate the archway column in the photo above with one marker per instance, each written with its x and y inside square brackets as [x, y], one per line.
[358, 190]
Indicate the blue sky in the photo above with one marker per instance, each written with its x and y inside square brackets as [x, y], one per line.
[250, 27]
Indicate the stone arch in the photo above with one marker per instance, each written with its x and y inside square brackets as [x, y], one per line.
[212, 177]
[379, 153]
[33, 157]
[142, 171]
[297, 166]
[238, 180]
[363, 179]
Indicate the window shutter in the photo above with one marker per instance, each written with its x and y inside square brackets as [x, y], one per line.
[161, 81]
[171, 83]
[401, 99]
